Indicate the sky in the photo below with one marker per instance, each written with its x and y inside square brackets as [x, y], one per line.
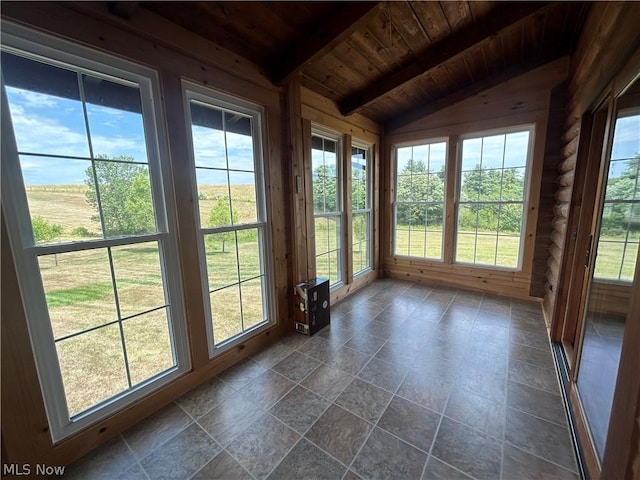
[51, 125]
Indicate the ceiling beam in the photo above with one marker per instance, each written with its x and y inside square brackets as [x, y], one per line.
[324, 38]
[123, 9]
[504, 16]
[416, 113]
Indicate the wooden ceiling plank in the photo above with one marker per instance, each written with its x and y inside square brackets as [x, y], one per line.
[123, 9]
[458, 14]
[411, 31]
[455, 44]
[329, 33]
[383, 29]
[475, 88]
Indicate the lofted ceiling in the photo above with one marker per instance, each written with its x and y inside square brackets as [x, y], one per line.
[390, 61]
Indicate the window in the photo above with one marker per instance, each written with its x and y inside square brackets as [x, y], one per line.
[490, 209]
[419, 200]
[620, 229]
[327, 206]
[95, 254]
[361, 208]
[227, 156]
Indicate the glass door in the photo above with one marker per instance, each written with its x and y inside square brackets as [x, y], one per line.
[611, 266]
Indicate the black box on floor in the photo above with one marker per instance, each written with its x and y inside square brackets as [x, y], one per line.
[312, 306]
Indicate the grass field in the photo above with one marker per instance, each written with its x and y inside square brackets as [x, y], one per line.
[80, 293]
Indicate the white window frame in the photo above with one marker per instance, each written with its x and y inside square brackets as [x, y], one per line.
[394, 206]
[525, 198]
[319, 131]
[54, 51]
[368, 148]
[195, 92]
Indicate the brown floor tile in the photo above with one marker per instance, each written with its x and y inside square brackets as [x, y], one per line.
[147, 435]
[268, 388]
[104, 463]
[296, 366]
[262, 445]
[534, 376]
[542, 404]
[365, 343]
[205, 397]
[222, 467]
[383, 374]
[478, 412]
[524, 466]
[363, 399]
[468, 450]
[308, 461]
[411, 422]
[230, 418]
[300, 408]
[385, 457]
[348, 360]
[530, 339]
[182, 456]
[339, 433]
[327, 381]
[542, 438]
[438, 470]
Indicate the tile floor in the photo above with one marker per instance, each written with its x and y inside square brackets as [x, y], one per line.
[408, 382]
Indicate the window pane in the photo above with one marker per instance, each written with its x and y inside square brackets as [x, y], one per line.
[213, 198]
[629, 265]
[239, 142]
[138, 278]
[322, 265]
[333, 232]
[62, 211]
[610, 255]
[225, 311]
[434, 232]
[252, 302]
[486, 249]
[465, 247]
[515, 152]
[45, 100]
[208, 136]
[401, 242]
[78, 289]
[508, 251]
[148, 344]
[492, 151]
[125, 198]
[222, 259]
[249, 253]
[114, 112]
[491, 198]
[471, 153]
[513, 184]
[437, 157]
[92, 367]
[243, 197]
[418, 242]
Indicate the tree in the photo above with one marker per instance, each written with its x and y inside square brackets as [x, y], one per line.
[416, 186]
[324, 190]
[617, 215]
[491, 186]
[221, 215]
[44, 231]
[125, 196]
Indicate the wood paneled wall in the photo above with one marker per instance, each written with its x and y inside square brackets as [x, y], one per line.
[322, 112]
[524, 100]
[175, 54]
[609, 36]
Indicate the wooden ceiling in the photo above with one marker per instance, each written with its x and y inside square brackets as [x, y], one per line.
[390, 61]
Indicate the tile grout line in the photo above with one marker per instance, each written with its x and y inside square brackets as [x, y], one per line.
[505, 405]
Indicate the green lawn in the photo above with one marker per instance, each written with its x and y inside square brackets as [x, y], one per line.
[80, 295]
